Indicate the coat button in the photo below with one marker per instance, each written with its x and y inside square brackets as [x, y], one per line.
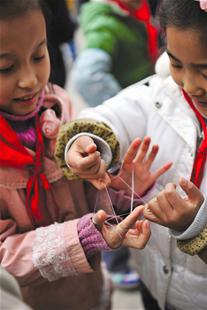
[158, 104]
[165, 269]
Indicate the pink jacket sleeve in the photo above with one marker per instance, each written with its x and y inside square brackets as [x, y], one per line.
[48, 252]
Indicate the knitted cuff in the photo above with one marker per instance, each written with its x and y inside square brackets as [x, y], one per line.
[69, 130]
[195, 245]
[90, 238]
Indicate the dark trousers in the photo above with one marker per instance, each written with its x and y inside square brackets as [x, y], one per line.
[149, 302]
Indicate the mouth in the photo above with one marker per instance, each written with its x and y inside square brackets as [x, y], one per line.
[200, 102]
[28, 99]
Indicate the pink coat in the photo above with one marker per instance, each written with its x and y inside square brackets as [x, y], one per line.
[48, 262]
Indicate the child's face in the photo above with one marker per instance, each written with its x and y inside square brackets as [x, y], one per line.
[24, 62]
[188, 64]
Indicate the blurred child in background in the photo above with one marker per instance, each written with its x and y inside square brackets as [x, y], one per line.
[120, 47]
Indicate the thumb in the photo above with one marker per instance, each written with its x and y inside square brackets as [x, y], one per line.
[99, 218]
[190, 189]
[86, 144]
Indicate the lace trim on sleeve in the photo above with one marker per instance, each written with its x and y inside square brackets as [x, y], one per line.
[50, 255]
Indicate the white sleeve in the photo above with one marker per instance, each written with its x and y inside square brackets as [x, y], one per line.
[122, 113]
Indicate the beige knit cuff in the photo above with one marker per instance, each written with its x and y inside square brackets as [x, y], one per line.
[195, 245]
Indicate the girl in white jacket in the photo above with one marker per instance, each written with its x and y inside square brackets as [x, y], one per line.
[171, 110]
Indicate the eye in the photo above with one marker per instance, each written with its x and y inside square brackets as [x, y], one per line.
[204, 75]
[6, 70]
[39, 58]
[176, 66]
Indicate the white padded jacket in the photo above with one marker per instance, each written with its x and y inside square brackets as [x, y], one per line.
[156, 107]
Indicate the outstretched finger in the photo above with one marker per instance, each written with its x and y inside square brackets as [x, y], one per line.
[129, 221]
[144, 232]
[131, 152]
[152, 155]
[143, 149]
[162, 170]
[139, 235]
[191, 190]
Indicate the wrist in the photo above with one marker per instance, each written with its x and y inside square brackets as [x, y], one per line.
[197, 225]
[91, 238]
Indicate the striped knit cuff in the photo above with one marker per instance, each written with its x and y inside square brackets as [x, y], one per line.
[91, 239]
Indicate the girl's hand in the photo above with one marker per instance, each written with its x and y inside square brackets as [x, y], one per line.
[83, 158]
[50, 123]
[138, 158]
[130, 232]
[171, 210]
[85, 161]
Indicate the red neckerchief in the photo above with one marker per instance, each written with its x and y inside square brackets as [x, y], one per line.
[201, 155]
[143, 14]
[14, 154]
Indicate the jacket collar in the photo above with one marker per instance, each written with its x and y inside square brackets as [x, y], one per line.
[173, 108]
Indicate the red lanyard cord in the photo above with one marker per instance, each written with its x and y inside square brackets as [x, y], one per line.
[201, 155]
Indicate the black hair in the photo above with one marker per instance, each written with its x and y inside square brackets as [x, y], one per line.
[184, 14]
[13, 8]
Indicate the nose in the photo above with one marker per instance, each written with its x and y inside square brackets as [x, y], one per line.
[191, 84]
[28, 78]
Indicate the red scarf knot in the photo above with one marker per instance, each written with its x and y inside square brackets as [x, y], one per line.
[14, 154]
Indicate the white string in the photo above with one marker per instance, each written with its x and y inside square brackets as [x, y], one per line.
[111, 207]
[111, 204]
[132, 192]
